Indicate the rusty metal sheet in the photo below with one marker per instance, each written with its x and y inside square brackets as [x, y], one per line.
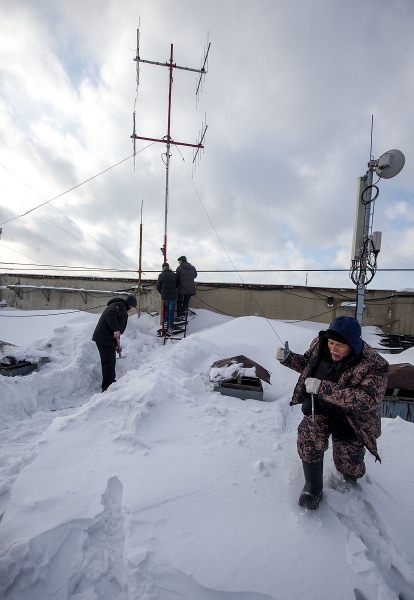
[5, 344]
[401, 376]
[246, 363]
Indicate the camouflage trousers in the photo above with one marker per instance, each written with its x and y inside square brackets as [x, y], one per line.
[313, 441]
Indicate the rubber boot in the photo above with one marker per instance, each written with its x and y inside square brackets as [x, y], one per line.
[312, 491]
[350, 479]
[350, 482]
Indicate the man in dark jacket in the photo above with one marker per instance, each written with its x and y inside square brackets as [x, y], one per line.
[341, 385]
[186, 274]
[111, 325]
[167, 287]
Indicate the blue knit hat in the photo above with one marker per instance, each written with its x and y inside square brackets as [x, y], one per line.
[346, 330]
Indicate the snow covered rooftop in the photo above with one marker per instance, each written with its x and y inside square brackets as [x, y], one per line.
[161, 489]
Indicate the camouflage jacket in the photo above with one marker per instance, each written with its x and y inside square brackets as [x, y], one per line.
[359, 390]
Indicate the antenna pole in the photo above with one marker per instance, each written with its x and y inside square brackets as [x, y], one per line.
[359, 312]
[168, 155]
[367, 244]
[361, 253]
[139, 265]
[168, 139]
[372, 129]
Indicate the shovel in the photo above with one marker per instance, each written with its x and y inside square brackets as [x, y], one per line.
[118, 348]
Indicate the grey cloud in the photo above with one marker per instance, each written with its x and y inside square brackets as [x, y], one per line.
[289, 97]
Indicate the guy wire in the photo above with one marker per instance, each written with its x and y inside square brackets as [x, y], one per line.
[227, 254]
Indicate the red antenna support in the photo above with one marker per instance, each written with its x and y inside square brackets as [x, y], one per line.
[167, 139]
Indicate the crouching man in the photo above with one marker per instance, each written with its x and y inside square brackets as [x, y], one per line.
[341, 385]
[111, 325]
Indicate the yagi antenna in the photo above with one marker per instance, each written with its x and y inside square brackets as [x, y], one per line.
[167, 139]
[199, 88]
[137, 60]
[136, 96]
[203, 70]
[199, 145]
[134, 139]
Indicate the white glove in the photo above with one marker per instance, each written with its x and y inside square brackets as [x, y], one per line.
[280, 353]
[117, 334]
[312, 385]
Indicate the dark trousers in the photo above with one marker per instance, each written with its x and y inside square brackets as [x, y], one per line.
[182, 304]
[313, 440]
[108, 362]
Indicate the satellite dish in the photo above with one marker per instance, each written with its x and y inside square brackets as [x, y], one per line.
[390, 164]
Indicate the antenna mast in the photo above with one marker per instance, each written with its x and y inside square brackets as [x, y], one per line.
[366, 244]
[167, 139]
[139, 264]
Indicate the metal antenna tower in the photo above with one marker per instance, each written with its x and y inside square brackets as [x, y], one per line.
[366, 244]
[167, 139]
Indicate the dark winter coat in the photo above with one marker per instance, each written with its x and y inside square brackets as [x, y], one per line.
[186, 274]
[167, 284]
[358, 392]
[113, 318]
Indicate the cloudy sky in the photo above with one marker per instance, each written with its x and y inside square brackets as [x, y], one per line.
[289, 95]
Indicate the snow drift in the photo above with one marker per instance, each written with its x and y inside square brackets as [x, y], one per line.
[162, 489]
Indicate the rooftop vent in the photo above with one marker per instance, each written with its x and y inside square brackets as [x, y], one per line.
[239, 377]
[399, 397]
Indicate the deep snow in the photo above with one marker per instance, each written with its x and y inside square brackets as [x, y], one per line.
[162, 489]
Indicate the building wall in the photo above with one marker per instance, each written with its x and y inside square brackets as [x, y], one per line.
[38, 292]
[392, 311]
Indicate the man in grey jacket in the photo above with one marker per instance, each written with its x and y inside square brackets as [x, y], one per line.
[186, 274]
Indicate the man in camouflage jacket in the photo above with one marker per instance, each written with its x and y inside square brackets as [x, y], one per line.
[347, 380]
